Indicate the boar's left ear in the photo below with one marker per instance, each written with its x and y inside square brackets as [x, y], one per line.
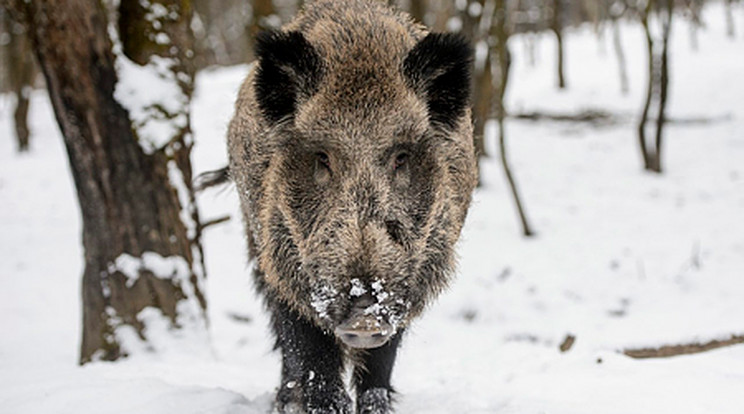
[438, 67]
[289, 69]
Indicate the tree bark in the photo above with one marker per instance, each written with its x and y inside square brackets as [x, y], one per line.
[142, 248]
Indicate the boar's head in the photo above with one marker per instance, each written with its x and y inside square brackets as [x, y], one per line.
[353, 156]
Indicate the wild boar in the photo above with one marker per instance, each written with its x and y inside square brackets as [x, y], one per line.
[351, 149]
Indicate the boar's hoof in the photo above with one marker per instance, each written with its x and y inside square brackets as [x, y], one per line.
[312, 400]
[374, 401]
[364, 332]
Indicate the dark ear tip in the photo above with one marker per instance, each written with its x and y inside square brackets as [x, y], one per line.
[273, 43]
[263, 39]
[455, 44]
[289, 67]
[439, 67]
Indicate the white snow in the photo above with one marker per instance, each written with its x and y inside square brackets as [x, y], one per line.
[357, 288]
[171, 267]
[622, 259]
[321, 298]
[153, 98]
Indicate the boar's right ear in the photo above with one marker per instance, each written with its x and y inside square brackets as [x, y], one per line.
[289, 69]
[438, 68]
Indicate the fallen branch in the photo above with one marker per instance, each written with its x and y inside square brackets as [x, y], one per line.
[587, 116]
[600, 117]
[214, 221]
[667, 351]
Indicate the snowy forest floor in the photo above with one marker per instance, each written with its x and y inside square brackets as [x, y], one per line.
[623, 259]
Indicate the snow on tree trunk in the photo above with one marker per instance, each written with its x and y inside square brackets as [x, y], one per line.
[129, 155]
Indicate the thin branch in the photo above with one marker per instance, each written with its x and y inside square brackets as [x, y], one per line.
[667, 351]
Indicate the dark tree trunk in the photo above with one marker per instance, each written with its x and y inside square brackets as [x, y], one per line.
[667, 16]
[20, 69]
[142, 247]
[649, 90]
[501, 33]
[483, 98]
[557, 27]
[658, 75]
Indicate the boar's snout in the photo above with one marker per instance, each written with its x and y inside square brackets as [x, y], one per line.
[364, 329]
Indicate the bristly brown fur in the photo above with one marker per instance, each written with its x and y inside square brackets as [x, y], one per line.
[351, 148]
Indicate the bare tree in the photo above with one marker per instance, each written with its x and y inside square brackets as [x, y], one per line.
[141, 233]
[658, 80]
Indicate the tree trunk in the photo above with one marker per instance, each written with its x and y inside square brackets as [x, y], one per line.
[557, 28]
[20, 69]
[504, 62]
[663, 83]
[650, 89]
[140, 234]
[482, 104]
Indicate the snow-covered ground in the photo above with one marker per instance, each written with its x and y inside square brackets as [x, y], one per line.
[622, 259]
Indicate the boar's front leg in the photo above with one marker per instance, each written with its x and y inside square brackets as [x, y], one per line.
[372, 378]
[312, 363]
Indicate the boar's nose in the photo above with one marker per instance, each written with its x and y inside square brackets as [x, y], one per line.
[362, 330]
[367, 332]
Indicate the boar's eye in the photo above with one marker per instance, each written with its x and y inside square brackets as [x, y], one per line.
[322, 172]
[401, 161]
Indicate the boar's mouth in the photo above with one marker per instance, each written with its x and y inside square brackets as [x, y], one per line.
[363, 329]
